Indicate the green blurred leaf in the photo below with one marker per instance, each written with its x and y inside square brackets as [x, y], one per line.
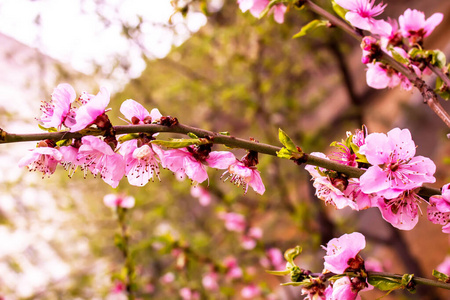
[340, 11]
[128, 137]
[180, 143]
[284, 153]
[384, 283]
[398, 57]
[51, 129]
[440, 276]
[311, 26]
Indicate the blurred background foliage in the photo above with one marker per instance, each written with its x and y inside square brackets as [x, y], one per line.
[247, 77]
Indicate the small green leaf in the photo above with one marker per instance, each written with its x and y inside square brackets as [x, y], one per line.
[314, 24]
[438, 59]
[293, 283]
[224, 133]
[414, 52]
[64, 142]
[340, 11]
[440, 276]
[192, 135]
[180, 143]
[128, 137]
[398, 57]
[51, 129]
[284, 153]
[291, 254]
[384, 283]
[286, 141]
[279, 273]
[442, 89]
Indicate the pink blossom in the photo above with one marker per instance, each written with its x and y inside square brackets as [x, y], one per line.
[88, 113]
[209, 281]
[341, 250]
[342, 290]
[42, 159]
[98, 157]
[414, 26]
[167, 278]
[137, 114]
[54, 113]
[69, 160]
[188, 294]
[444, 267]
[439, 209]
[361, 12]
[233, 221]
[379, 76]
[240, 174]
[394, 167]
[184, 160]
[233, 271]
[140, 162]
[274, 259]
[401, 211]
[114, 201]
[250, 291]
[249, 240]
[202, 194]
[256, 7]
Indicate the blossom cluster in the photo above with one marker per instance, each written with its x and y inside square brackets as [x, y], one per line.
[393, 174]
[344, 270]
[402, 39]
[137, 158]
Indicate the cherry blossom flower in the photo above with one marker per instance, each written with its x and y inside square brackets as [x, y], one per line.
[240, 174]
[379, 76]
[209, 281]
[88, 113]
[256, 7]
[114, 201]
[188, 294]
[343, 290]
[394, 167]
[414, 26]
[69, 160]
[439, 209]
[98, 157]
[193, 163]
[361, 12]
[43, 159]
[137, 114]
[140, 162]
[341, 250]
[444, 267]
[401, 211]
[249, 240]
[233, 221]
[54, 113]
[233, 271]
[250, 291]
[202, 194]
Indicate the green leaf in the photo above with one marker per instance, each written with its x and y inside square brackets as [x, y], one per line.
[407, 282]
[398, 57]
[128, 137]
[314, 24]
[284, 153]
[51, 129]
[442, 89]
[293, 283]
[192, 135]
[438, 59]
[414, 52]
[384, 283]
[64, 142]
[291, 254]
[340, 11]
[279, 273]
[180, 143]
[286, 141]
[224, 133]
[440, 276]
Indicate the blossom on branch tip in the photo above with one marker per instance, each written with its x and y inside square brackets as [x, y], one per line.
[114, 201]
[43, 159]
[361, 12]
[341, 250]
[414, 26]
[89, 112]
[243, 172]
[394, 168]
[137, 114]
[54, 113]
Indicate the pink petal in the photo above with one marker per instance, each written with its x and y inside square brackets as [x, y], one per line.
[131, 108]
[195, 170]
[220, 159]
[432, 22]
